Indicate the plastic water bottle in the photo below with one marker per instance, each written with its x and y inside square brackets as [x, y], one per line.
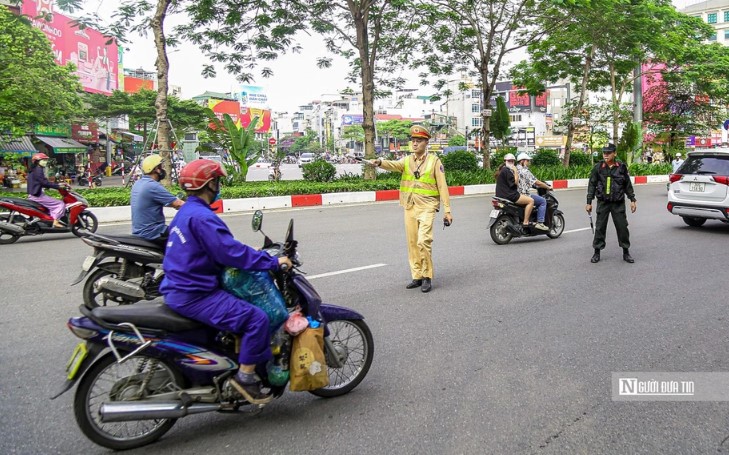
[313, 323]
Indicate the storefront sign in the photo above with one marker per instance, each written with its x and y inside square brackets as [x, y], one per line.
[85, 132]
[551, 141]
[53, 130]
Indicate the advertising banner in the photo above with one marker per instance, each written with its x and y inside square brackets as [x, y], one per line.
[352, 119]
[519, 102]
[96, 62]
[85, 132]
[253, 96]
[221, 107]
[264, 118]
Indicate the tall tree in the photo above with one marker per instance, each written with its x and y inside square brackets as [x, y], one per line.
[474, 38]
[33, 88]
[501, 122]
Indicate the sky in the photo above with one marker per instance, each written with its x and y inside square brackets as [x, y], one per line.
[296, 80]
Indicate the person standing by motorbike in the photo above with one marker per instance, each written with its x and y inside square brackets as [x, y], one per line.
[200, 246]
[148, 199]
[507, 187]
[610, 183]
[527, 181]
[37, 181]
[422, 189]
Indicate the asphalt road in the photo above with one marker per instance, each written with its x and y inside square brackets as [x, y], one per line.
[512, 351]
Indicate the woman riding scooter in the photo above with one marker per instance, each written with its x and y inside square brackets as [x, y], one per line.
[37, 181]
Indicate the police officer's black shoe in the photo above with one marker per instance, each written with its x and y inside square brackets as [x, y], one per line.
[426, 285]
[595, 257]
[414, 284]
[627, 257]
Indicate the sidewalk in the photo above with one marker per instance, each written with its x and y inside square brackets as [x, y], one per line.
[123, 213]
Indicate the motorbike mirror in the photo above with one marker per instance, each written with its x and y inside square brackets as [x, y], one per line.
[181, 196]
[257, 221]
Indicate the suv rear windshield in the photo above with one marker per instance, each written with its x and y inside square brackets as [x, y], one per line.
[712, 165]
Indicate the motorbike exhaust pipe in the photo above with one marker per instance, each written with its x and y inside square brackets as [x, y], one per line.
[120, 287]
[11, 228]
[125, 411]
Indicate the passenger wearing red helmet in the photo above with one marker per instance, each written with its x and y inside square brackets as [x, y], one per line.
[37, 181]
[199, 247]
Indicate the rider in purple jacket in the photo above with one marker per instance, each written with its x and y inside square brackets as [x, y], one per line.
[199, 247]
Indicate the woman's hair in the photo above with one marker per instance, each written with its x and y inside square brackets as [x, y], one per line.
[498, 170]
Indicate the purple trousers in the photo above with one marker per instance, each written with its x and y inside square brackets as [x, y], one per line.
[226, 312]
[55, 206]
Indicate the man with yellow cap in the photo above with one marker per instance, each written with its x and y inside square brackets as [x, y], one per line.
[148, 199]
[422, 189]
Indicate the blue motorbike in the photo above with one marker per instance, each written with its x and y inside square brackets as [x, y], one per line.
[140, 367]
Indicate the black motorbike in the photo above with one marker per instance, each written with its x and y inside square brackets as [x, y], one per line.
[83, 180]
[506, 219]
[124, 269]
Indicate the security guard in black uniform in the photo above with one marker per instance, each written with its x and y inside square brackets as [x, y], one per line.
[610, 183]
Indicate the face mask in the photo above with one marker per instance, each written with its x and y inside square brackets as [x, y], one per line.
[43, 163]
[162, 174]
[217, 194]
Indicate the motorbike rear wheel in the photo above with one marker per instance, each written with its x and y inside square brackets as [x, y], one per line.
[94, 298]
[6, 238]
[108, 381]
[557, 226]
[86, 222]
[499, 231]
[352, 340]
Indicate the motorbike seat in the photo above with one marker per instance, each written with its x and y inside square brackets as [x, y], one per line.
[129, 239]
[25, 203]
[505, 201]
[149, 315]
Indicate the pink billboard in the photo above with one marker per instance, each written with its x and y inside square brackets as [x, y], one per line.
[96, 62]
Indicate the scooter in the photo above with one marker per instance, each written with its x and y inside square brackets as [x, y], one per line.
[140, 367]
[506, 219]
[20, 217]
[123, 269]
[83, 179]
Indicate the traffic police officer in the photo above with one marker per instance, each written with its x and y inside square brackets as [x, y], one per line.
[610, 183]
[422, 189]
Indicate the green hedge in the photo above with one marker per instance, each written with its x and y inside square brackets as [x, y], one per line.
[115, 196]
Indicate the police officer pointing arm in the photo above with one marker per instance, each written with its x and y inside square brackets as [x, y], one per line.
[610, 183]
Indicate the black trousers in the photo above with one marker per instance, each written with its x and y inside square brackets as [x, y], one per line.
[620, 220]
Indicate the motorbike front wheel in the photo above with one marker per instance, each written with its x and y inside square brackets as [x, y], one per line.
[6, 238]
[557, 226]
[137, 378]
[86, 222]
[354, 350]
[499, 231]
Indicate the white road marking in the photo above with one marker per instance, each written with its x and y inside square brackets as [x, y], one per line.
[339, 272]
[577, 230]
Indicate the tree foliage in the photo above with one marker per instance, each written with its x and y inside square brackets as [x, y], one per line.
[501, 122]
[33, 88]
[238, 141]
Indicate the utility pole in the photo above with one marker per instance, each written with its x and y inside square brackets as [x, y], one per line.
[637, 107]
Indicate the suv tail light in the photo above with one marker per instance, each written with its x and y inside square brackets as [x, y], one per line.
[723, 179]
[669, 207]
[674, 177]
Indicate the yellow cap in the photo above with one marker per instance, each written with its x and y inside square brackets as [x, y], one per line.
[151, 162]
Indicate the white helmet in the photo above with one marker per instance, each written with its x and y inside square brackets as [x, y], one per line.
[523, 156]
[509, 156]
[678, 155]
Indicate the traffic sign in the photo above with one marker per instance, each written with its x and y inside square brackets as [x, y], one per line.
[272, 141]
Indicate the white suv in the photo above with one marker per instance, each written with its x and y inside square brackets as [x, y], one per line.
[306, 158]
[699, 190]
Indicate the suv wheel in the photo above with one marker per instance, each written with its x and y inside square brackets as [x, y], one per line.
[695, 222]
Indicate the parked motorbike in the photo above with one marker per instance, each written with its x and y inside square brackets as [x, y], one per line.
[160, 366]
[123, 269]
[83, 180]
[506, 219]
[20, 217]
[274, 174]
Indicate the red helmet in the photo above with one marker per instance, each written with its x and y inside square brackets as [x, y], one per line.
[38, 157]
[198, 173]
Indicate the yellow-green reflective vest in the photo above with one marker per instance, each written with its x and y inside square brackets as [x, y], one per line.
[425, 185]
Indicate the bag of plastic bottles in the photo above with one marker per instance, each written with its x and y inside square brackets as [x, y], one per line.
[258, 289]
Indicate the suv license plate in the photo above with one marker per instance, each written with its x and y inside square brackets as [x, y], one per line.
[697, 187]
[495, 213]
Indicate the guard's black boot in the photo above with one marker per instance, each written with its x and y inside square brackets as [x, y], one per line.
[414, 284]
[595, 257]
[426, 285]
[627, 257]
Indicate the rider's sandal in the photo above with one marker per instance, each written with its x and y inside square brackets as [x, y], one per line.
[249, 385]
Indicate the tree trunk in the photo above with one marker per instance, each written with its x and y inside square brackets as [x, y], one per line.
[486, 129]
[160, 104]
[578, 110]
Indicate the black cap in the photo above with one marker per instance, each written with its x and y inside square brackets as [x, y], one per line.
[610, 148]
